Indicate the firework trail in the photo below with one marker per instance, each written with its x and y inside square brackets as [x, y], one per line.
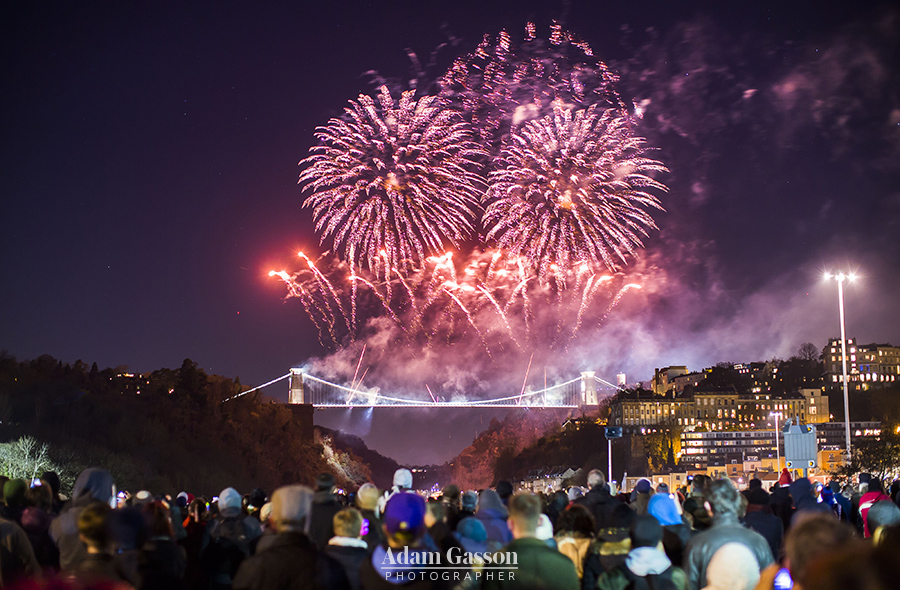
[572, 189]
[394, 182]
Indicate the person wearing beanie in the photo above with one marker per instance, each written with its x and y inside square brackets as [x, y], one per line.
[641, 497]
[13, 499]
[324, 507]
[646, 565]
[367, 503]
[230, 535]
[468, 504]
[92, 485]
[722, 500]
[760, 518]
[676, 533]
[291, 560]
[402, 482]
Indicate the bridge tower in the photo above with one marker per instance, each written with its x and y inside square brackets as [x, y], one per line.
[295, 396]
[588, 389]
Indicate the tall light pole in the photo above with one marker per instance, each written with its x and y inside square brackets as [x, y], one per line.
[777, 448]
[840, 278]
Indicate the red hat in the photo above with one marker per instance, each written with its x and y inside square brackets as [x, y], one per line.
[785, 479]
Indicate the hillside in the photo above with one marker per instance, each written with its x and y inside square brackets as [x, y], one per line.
[165, 431]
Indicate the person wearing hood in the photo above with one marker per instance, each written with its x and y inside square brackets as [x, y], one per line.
[291, 560]
[405, 532]
[803, 494]
[646, 564]
[92, 485]
[492, 513]
[723, 502]
[676, 533]
[759, 517]
[575, 535]
[324, 507]
[599, 502]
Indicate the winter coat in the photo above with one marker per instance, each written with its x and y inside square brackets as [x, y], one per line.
[290, 562]
[17, 558]
[725, 529]
[321, 518]
[761, 520]
[92, 485]
[601, 504]
[539, 566]
[493, 515]
[350, 553]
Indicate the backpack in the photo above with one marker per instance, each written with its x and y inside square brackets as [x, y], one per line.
[229, 545]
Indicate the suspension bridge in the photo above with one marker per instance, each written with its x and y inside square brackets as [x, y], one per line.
[307, 389]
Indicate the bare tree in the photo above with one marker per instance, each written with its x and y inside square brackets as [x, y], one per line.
[808, 351]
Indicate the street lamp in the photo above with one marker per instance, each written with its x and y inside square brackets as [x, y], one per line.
[840, 278]
[777, 451]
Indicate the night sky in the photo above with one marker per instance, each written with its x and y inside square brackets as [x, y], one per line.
[149, 176]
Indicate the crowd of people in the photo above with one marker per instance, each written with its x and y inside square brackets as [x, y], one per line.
[704, 535]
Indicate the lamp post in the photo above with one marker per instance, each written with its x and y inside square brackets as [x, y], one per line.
[777, 448]
[840, 278]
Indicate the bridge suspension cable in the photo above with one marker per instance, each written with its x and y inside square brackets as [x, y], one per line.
[256, 388]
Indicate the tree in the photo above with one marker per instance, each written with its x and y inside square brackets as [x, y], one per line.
[879, 455]
[808, 352]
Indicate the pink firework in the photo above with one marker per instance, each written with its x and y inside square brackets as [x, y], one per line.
[572, 188]
[502, 83]
[392, 183]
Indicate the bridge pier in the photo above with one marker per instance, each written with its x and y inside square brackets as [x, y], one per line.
[588, 389]
[295, 395]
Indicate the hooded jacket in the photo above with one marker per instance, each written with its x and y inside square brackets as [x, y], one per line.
[804, 501]
[93, 485]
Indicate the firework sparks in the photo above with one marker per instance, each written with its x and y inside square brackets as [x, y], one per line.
[572, 189]
[501, 85]
[394, 182]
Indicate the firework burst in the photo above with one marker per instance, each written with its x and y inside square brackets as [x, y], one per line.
[572, 188]
[502, 84]
[392, 183]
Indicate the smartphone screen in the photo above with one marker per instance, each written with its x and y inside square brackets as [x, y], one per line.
[783, 580]
[364, 530]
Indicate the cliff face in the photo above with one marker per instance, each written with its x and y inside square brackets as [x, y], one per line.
[474, 468]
